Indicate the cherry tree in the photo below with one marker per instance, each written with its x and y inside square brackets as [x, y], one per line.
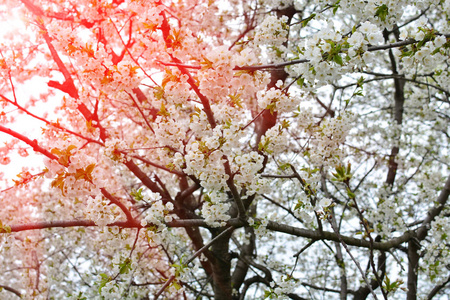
[225, 149]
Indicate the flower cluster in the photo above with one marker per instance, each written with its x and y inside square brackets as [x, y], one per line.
[260, 225]
[205, 158]
[272, 31]
[157, 213]
[328, 137]
[304, 210]
[169, 132]
[246, 168]
[437, 255]
[277, 100]
[323, 204]
[208, 122]
[246, 57]
[112, 149]
[275, 140]
[280, 288]
[384, 13]
[101, 211]
[367, 33]
[111, 290]
[208, 167]
[215, 209]
[220, 57]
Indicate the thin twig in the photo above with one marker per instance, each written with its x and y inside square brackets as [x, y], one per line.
[354, 260]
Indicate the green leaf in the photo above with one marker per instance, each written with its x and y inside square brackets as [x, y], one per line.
[299, 205]
[137, 195]
[269, 294]
[4, 228]
[265, 146]
[285, 124]
[350, 194]
[360, 82]
[163, 111]
[85, 173]
[301, 81]
[176, 285]
[179, 267]
[158, 93]
[206, 63]
[58, 182]
[284, 166]
[104, 280]
[391, 286]
[304, 22]
[125, 267]
[338, 59]
[336, 6]
[64, 155]
[342, 174]
[236, 100]
[382, 12]
[207, 198]
[335, 9]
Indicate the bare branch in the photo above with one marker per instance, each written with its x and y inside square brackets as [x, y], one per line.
[331, 236]
[437, 289]
[33, 143]
[117, 202]
[12, 290]
[143, 177]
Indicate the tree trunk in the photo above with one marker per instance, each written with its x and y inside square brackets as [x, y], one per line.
[221, 266]
[413, 268]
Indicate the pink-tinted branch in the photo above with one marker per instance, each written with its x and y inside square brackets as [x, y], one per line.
[117, 202]
[143, 177]
[89, 223]
[12, 290]
[150, 163]
[33, 143]
[48, 122]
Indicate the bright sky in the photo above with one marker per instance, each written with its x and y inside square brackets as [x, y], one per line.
[10, 24]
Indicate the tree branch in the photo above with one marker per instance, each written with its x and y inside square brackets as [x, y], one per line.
[33, 143]
[143, 177]
[117, 202]
[150, 163]
[437, 288]
[441, 201]
[300, 61]
[66, 224]
[234, 192]
[331, 236]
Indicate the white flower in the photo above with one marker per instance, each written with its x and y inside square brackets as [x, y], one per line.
[422, 21]
[404, 35]
[439, 41]
[356, 40]
[368, 28]
[325, 202]
[271, 31]
[375, 38]
[420, 35]
[326, 47]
